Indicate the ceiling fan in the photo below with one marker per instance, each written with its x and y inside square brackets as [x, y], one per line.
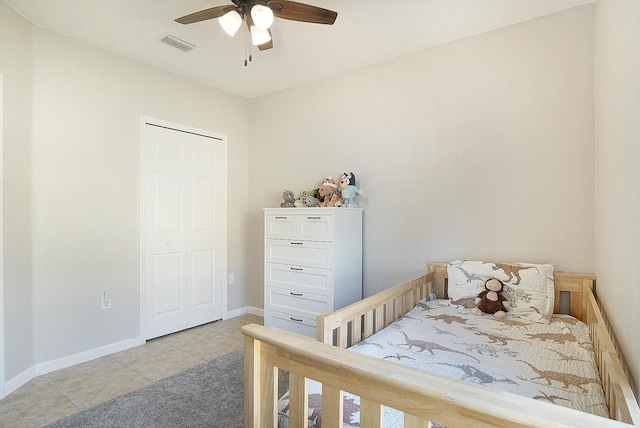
[258, 15]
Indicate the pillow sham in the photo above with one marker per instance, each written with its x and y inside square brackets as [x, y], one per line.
[528, 287]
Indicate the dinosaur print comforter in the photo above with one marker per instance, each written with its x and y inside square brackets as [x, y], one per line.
[553, 361]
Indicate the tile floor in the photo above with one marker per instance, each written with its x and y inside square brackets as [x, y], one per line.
[56, 395]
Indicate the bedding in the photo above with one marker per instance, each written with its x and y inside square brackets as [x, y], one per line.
[550, 361]
[528, 287]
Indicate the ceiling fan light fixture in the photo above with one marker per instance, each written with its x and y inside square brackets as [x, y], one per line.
[230, 22]
[262, 16]
[259, 36]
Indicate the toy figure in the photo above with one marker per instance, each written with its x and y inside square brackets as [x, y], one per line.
[349, 189]
[289, 199]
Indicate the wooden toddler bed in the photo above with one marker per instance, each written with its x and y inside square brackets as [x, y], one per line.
[421, 395]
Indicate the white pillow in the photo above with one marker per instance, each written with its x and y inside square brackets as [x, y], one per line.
[529, 287]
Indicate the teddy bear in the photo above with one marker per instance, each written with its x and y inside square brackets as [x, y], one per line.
[289, 199]
[335, 200]
[491, 300]
[328, 193]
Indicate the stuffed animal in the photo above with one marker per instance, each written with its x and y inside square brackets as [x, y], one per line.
[289, 199]
[328, 193]
[333, 201]
[306, 199]
[491, 300]
[349, 189]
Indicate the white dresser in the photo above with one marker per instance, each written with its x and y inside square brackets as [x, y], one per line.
[312, 264]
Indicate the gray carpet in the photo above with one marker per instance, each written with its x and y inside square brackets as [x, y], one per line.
[209, 395]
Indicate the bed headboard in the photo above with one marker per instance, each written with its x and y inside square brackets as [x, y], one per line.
[570, 296]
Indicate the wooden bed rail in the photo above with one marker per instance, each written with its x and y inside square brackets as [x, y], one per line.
[360, 320]
[422, 396]
[618, 393]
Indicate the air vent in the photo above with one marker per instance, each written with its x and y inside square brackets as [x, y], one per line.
[177, 43]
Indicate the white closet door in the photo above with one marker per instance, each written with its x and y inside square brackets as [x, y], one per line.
[184, 201]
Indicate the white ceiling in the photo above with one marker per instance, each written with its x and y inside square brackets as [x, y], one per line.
[366, 32]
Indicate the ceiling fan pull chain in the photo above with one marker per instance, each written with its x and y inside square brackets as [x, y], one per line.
[245, 49]
[247, 43]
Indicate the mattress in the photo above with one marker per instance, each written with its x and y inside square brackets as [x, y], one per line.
[551, 361]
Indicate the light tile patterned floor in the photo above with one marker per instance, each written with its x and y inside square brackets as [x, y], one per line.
[56, 395]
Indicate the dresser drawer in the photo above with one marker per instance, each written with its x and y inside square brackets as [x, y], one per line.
[300, 278]
[299, 253]
[297, 302]
[310, 226]
[292, 323]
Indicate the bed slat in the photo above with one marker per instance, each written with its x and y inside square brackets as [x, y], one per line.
[298, 402]
[411, 421]
[332, 401]
[371, 413]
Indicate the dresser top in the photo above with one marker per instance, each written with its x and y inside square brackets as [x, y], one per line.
[311, 209]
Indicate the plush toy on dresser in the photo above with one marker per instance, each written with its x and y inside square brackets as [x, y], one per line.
[328, 193]
[349, 189]
[289, 199]
[306, 199]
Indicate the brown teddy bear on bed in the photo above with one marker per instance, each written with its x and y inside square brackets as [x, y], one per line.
[491, 300]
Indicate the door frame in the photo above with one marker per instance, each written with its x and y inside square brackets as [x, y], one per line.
[2, 356]
[145, 120]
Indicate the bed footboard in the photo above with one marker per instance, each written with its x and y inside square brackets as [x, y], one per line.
[422, 396]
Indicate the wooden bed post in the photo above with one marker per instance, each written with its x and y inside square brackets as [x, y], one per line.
[440, 272]
[251, 382]
[260, 387]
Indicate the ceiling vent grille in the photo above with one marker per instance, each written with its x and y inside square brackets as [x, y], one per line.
[177, 43]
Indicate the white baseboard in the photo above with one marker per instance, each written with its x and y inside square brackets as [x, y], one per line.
[19, 380]
[71, 360]
[255, 311]
[246, 310]
[235, 313]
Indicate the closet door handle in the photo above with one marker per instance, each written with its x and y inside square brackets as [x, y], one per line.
[296, 269]
[295, 319]
[296, 294]
[297, 243]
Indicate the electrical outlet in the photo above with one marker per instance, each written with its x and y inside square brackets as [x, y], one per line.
[232, 278]
[105, 300]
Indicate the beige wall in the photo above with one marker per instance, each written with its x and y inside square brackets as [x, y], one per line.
[16, 66]
[479, 149]
[87, 108]
[617, 214]
[71, 199]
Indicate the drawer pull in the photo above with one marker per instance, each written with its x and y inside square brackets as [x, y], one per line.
[314, 218]
[297, 243]
[295, 319]
[296, 294]
[297, 269]
[281, 218]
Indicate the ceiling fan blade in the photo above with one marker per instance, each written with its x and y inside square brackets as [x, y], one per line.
[295, 11]
[203, 15]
